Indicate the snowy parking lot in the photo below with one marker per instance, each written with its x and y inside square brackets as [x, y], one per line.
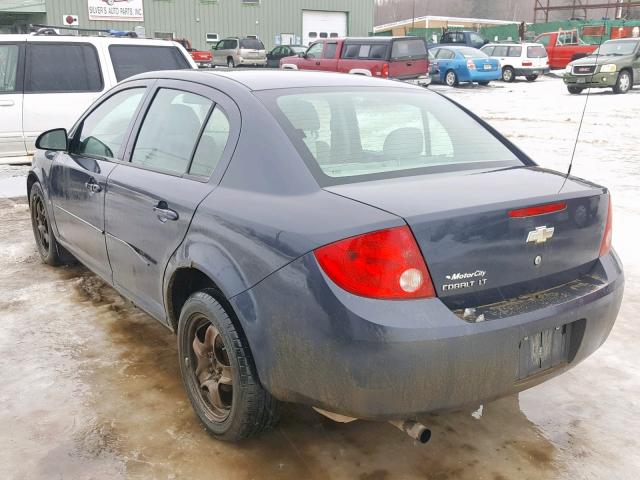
[90, 385]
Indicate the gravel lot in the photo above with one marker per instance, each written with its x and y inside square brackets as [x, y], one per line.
[90, 385]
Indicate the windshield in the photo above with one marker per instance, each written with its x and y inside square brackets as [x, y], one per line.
[616, 48]
[472, 53]
[382, 132]
[252, 43]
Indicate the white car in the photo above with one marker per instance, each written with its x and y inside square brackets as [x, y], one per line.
[47, 81]
[527, 60]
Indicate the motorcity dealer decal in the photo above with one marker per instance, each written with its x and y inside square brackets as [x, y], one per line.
[121, 10]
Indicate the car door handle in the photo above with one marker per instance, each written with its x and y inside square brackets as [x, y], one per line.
[7, 103]
[93, 186]
[317, 63]
[164, 213]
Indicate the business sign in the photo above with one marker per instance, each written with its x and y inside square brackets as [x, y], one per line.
[120, 10]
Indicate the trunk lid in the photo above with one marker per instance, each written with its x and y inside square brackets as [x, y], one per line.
[476, 253]
[486, 64]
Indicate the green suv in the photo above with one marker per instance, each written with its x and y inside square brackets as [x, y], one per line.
[616, 64]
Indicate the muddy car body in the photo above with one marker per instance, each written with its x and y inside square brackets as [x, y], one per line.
[374, 265]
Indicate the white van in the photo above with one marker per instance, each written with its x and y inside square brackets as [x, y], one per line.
[527, 60]
[47, 81]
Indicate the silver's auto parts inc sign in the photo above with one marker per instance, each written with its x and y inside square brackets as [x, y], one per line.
[122, 10]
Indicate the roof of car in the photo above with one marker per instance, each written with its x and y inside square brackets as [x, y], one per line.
[511, 44]
[269, 80]
[96, 40]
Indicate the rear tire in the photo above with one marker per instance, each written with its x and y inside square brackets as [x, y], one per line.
[575, 90]
[451, 79]
[230, 62]
[623, 84]
[218, 372]
[50, 251]
[508, 74]
[531, 78]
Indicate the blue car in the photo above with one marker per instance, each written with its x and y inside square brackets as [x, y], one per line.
[453, 65]
[358, 245]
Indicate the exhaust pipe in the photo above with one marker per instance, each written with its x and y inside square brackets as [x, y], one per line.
[414, 429]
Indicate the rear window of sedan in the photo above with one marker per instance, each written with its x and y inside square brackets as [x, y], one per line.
[474, 53]
[370, 133]
[129, 60]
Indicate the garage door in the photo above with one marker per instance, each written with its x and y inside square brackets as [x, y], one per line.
[320, 24]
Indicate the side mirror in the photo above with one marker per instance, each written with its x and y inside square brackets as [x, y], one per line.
[56, 140]
[302, 55]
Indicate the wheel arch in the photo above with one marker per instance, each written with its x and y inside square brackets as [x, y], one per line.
[31, 179]
[360, 71]
[289, 66]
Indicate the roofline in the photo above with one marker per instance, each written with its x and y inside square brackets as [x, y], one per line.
[443, 19]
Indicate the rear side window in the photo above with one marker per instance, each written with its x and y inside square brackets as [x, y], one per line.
[408, 49]
[102, 132]
[515, 51]
[500, 51]
[170, 131]
[211, 145]
[8, 68]
[129, 60]
[57, 67]
[351, 51]
[488, 50]
[330, 50]
[536, 52]
[251, 43]
[378, 52]
[445, 54]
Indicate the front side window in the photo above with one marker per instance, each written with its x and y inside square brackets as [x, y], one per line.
[361, 134]
[57, 67]
[129, 60]
[170, 130]
[211, 145]
[103, 130]
[315, 50]
[8, 67]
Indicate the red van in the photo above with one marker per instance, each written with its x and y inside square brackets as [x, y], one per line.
[403, 58]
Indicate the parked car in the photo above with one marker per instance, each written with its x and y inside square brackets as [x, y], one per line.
[452, 65]
[527, 60]
[461, 38]
[391, 255]
[282, 51]
[616, 65]
[201, 57]
[403, 58]
[234, 52]
[50, 80]
[564, 47]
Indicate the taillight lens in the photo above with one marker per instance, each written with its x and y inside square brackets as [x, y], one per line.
[605, 246]
[385, 70]
[471, 65]
[385, 264]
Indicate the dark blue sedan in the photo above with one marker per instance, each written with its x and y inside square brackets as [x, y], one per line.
[357, 245]
[453, 65]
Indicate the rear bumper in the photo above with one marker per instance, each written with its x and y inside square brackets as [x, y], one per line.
[252, 61]
[423, 81]
[315, 344]
[526, 71]
[483, 76]
[598, 80]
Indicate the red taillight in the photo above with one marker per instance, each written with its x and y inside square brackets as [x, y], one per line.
[538, 210]
[383, 264]
[471, 65]
[605, 246]
[385, 70]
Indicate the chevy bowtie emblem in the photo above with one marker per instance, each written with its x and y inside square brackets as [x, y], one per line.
[540, 234]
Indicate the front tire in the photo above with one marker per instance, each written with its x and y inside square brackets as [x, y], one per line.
[451, 79]
[623, 84]
[50, 251]
[575, 90]
[218, 372]
[508, 74]
[531, 78]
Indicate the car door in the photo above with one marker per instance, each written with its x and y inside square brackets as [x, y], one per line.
[61, 80]
[312, 57]
[446, 61]
[151, 199]
[329, 61]
[222, 52]
[78, 178]
[501, 53]
[11, 97]
[636, 66]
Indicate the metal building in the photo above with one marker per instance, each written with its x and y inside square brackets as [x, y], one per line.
[200, 21]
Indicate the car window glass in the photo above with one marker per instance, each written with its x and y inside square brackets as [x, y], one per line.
[515, 51]
[62, 68]
[102, 131]
[364, 51]
[378, 52]
[536, 52]
[475, 38]
[129, 60]
[330, 50]
[408, 48]
[315, 50]
[488, 50]
[445, 54]
[8, 67]
[544, 40]
[251, 43]
[170, 130]
[211, 145]
[350, 51]
[500, 51]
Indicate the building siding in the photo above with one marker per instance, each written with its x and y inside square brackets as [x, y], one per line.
[192, 19]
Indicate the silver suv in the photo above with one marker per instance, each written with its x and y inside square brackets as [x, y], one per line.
[234, 52]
